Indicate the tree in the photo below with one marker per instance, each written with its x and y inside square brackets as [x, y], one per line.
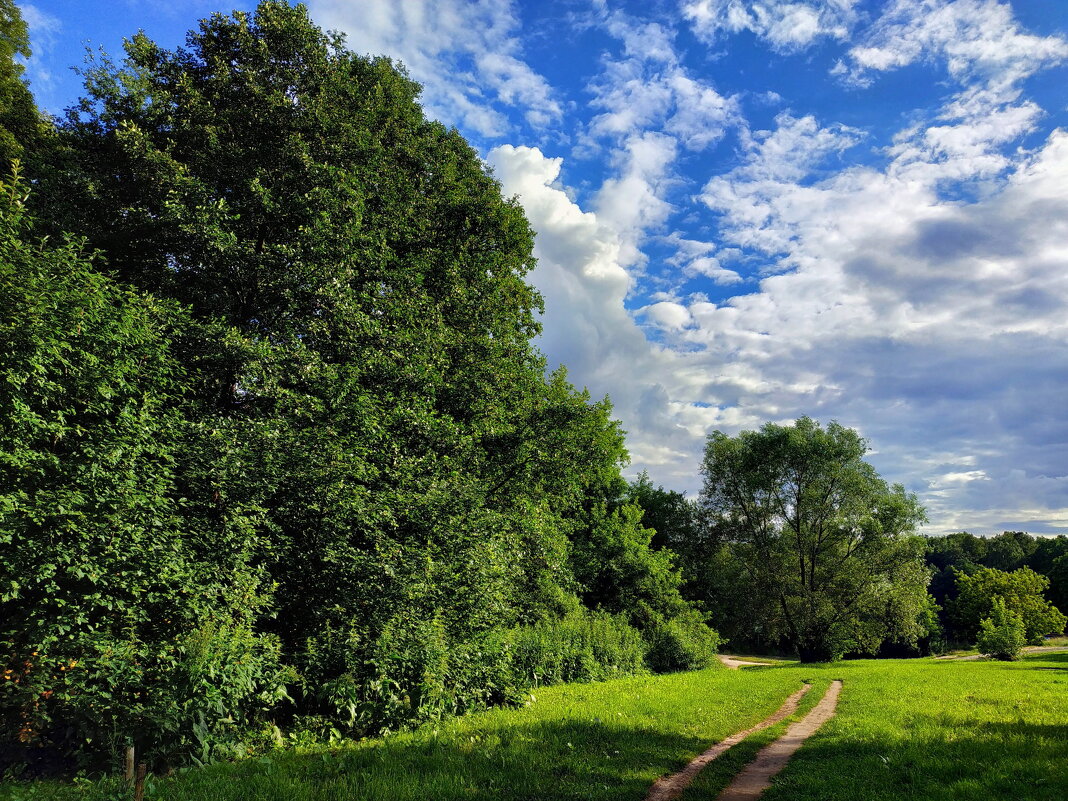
[669, 514]
[113, 611]
[1002, 635]
[1021, 591]
[819, 535]
[21, 125]
[362, 356]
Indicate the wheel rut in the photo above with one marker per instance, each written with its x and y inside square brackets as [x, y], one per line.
[756, 777]
[668, 788]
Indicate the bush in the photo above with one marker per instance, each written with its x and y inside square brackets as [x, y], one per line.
[415, 671]
[683, 642]
[583, 646]
[195, 697]
[1002, 635]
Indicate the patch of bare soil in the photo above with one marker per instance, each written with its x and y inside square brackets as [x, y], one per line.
[756, 777]
[734, 663]
[670, 787]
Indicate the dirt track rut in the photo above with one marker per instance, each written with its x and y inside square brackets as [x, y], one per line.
[670, 787]
[756, 777]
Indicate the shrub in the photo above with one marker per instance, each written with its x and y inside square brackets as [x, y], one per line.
[683, 642]
[416, 671]
[1002, 635]
[583, 646]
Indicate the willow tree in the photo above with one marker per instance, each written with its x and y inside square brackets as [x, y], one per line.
[826, 546]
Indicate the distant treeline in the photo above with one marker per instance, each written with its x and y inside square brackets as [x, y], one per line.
[933, 593]
[962, 553]
[276, 452]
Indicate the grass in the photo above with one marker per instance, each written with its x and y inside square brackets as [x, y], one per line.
[940, 731]
[593, 742]
[906, 729]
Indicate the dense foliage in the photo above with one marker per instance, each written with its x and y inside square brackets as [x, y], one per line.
[821, 546]
[275, 442]
[1001, 635]
[22, 129]
[954, 557]
[1020, 591]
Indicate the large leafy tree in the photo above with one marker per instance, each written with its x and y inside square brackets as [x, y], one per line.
[113, 611]
[827, 548]
[21, 125]
[1022, 593]
[371, 424]
[367, 355]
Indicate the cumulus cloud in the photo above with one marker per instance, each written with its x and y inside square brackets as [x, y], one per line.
[785, 24]
[914, 286]
[581, 275]
[466, 53]
[976, 39]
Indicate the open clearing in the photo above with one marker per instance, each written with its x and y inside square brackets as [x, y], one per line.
[916, 729]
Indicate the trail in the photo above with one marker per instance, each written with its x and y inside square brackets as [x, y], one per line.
[756, 777]
[734, 663]
[1028, 649]
[670, 787]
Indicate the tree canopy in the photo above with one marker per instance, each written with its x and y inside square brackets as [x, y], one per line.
[286, 425]
[826, 547]
[21, 126]
[1020, 591]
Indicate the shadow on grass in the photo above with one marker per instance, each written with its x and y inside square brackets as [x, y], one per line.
[1060, 658]
[568, 761]
[989, 761]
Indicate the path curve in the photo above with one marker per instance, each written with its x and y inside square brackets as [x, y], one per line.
[756, 777]
[670, 787]
[734, 663]
[1027, 649]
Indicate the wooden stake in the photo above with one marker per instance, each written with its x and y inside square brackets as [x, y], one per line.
[129, 763]
[139, 784]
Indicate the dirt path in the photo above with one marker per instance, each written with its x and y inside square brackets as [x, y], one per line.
[1028, 649]
[734, 663]
[670, 787]
[756, 777]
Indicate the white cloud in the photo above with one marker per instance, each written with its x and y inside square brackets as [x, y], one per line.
[700, 258]
[43, 29]
[667, 314]
[633, 203]
[979, 40]
[788, 26]
[652, 108]
[581, 276]
[649, 41]
[912, 318]
[466, 53]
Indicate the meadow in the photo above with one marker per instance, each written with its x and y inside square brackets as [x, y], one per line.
[916, 729]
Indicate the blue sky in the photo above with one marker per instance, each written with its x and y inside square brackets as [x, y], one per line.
[750, 210]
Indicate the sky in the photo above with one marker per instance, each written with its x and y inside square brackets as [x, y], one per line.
[752, 210]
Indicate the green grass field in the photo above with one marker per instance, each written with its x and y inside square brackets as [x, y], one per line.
[905, 729]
